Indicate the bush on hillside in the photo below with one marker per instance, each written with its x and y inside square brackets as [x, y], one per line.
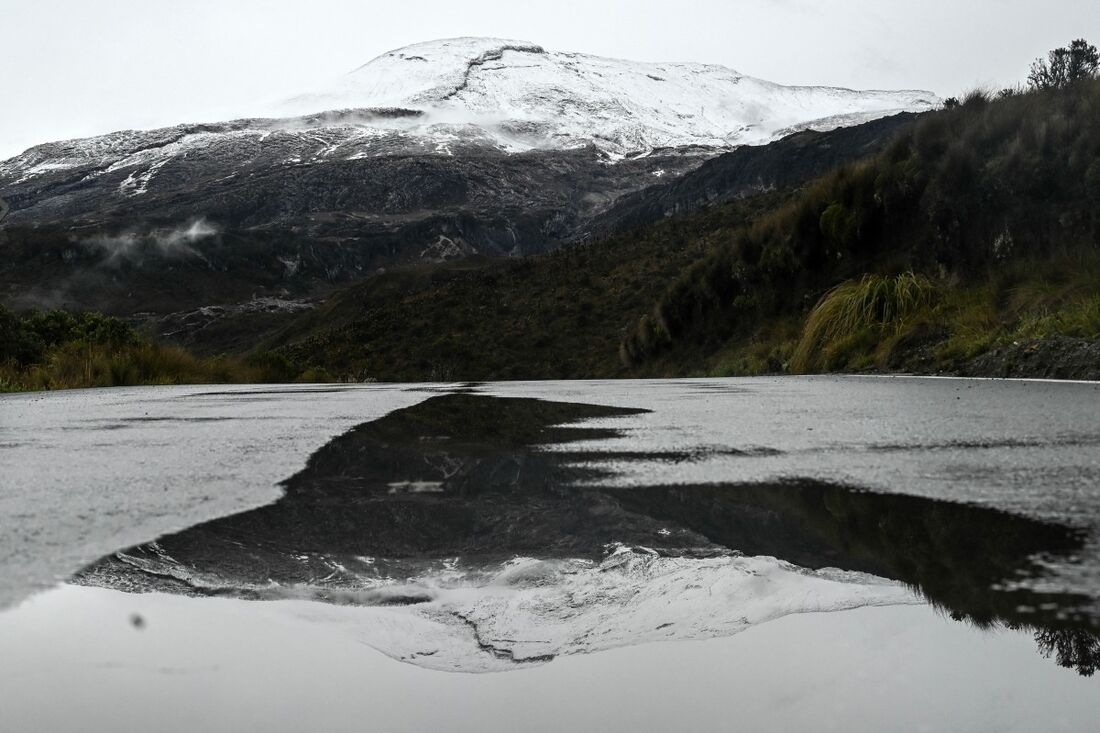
[59, 350]
[1066, 66]
[962, 192]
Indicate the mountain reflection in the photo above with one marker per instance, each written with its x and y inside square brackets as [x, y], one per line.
[457, 481]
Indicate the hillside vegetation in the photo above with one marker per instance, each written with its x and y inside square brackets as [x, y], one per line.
[560, 315]
[976, 227]
[60, 350]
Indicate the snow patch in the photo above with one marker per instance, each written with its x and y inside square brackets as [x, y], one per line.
[137, 183]
[445, 248]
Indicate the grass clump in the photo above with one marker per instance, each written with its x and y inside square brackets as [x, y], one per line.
[861, 310]
[914, 323]
[1080, 319]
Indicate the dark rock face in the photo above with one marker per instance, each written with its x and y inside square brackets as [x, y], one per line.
[539, 194]
[788, 162]
[220, 214]
[242, 228]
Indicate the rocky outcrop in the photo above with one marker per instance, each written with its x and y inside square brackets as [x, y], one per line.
[1059, 357]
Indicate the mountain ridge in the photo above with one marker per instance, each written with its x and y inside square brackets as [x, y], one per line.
[443, 149]
[381, 90]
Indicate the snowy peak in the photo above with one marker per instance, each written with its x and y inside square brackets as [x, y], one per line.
[453, 96]
[434, 71]
[440, 102]
[527, 97]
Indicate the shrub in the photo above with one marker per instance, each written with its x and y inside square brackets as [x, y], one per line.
[1065, 66]
[61, 350]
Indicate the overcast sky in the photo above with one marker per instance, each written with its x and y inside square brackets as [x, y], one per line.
[80, 67]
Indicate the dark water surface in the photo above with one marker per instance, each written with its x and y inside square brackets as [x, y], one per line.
[809, 553]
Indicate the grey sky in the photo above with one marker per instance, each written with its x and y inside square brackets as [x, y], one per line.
[75, 67]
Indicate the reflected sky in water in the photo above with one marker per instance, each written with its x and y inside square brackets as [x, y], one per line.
[75, 663]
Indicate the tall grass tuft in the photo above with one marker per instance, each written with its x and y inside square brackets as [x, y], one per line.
[860, 308]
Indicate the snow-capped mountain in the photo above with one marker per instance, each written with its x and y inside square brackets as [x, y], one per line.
[441, 149]
[525, 97]
[446, 96]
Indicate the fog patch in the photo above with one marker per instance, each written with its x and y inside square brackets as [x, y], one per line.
[133, 246]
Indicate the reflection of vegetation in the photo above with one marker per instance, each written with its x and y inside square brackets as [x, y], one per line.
[59, 350]
[454, 476]
[480, 425]
[458, 476]
[1071, 648]
[955, 555]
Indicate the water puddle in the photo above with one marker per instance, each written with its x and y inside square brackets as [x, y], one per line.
[462, 545]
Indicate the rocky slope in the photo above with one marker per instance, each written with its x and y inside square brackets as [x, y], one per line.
[750, 170]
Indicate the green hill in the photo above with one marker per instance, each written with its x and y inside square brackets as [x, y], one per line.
[976, 229]
[560, 315]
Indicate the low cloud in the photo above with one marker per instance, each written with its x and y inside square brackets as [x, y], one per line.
[134, 246]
